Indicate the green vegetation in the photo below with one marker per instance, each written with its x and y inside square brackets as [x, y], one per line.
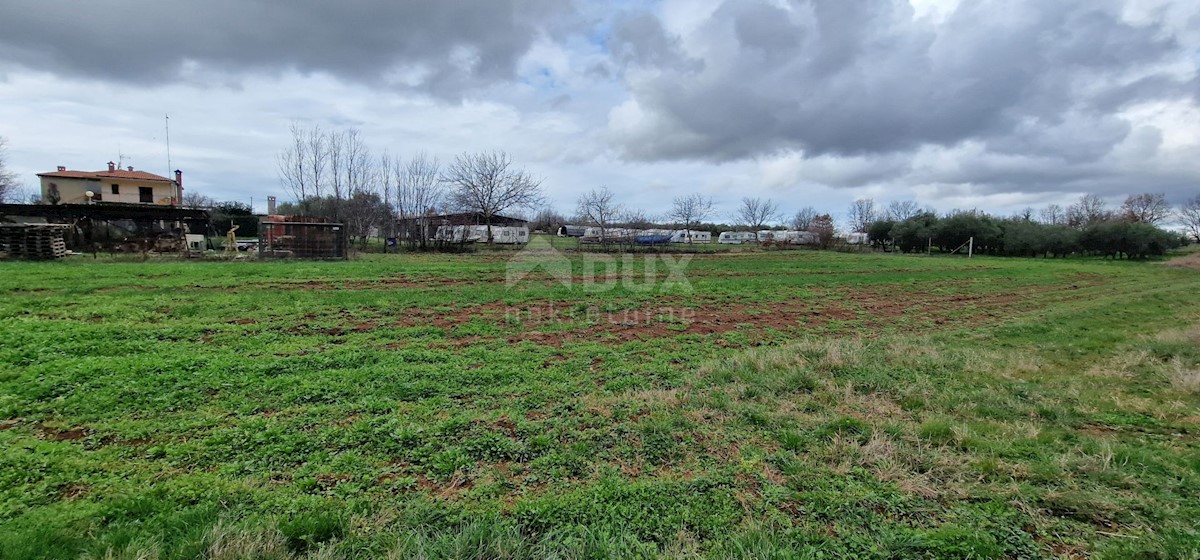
[793, 404]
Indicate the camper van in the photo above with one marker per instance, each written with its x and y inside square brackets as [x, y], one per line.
[736, 237]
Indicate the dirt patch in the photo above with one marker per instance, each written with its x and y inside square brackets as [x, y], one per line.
[1189, 261]
[74, 491]
[52, 434]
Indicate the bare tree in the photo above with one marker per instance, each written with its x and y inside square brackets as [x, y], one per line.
[861, 213]
[1189, 214]
[194, 200]
[822, 226]
[419, 192]
[1089, 210]
[9, 182]
[292, 164]
[756, 213]
[598, 208]
[803, 219]
[636, 218]
[1150, 208]
[383, 177]
[900, 210]
[1053, 215]
[690, 210]
[488, 183]
[547, 219]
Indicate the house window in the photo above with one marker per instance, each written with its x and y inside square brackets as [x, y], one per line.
[116, 189]
[145, 194]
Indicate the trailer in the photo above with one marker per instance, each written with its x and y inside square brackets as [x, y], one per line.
[857, 238]
[502, 235]
[571, 231]
[690, 236]
[736, 237]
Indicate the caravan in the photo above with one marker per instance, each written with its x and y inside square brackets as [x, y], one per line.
[690, 236]
[736, 237]
[504, 235]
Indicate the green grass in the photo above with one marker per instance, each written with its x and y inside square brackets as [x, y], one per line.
[792, 404]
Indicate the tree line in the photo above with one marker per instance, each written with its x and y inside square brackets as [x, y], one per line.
[1086, 227]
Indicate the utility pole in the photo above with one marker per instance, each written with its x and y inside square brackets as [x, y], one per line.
[970, 247]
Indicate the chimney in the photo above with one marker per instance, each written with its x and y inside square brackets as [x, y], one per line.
[270, 205]
[62, 168]
[179, 177]
[112, 166]
[178, 187]
[131, 168]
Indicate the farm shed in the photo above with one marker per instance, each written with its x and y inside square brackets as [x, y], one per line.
[111, 225]
[302, 237]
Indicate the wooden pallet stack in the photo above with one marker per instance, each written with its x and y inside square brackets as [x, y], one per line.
[33, 241]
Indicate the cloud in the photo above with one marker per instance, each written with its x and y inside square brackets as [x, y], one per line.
[854, 78]
[435, 46]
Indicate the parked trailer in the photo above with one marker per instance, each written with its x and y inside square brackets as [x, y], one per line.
[736, 237]
[571, 231]
[653, 239]
[503, 235]
[857, 238]
[691, 236]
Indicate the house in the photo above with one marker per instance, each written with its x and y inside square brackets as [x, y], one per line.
[114, 185]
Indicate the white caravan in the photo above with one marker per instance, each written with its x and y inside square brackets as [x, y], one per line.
[471, 234]
[736, 237]
[690, 236]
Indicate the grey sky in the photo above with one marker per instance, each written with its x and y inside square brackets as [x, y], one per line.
[990, 104]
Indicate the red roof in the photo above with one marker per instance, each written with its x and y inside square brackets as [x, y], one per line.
[106, 174]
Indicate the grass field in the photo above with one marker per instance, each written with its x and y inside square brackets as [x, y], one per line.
[789, 405]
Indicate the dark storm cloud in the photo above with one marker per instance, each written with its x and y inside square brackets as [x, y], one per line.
[450, 46]
[867, 77]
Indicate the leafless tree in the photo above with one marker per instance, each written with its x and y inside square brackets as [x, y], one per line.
[802, 221]
[547, 219]
[1089, 210]
[756, 213]
[861, 213]
[1150, 208]
[419, 192]
[194, 200]
[690, 210]
[823, 227]
[636, 218]
[1025, 215]
[383, 171]
[598, 208]
[9, 182]
[292, 165]
[489, 183]
[1053, 215]
[1189, 214]
[900, 210]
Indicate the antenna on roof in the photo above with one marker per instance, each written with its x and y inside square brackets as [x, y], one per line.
[168, 126]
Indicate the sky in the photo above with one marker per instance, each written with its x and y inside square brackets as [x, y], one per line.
[990, 104]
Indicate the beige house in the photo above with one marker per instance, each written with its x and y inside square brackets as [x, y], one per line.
[115, 185]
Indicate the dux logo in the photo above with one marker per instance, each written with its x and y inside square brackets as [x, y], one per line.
[599, 272]
[538, 254]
